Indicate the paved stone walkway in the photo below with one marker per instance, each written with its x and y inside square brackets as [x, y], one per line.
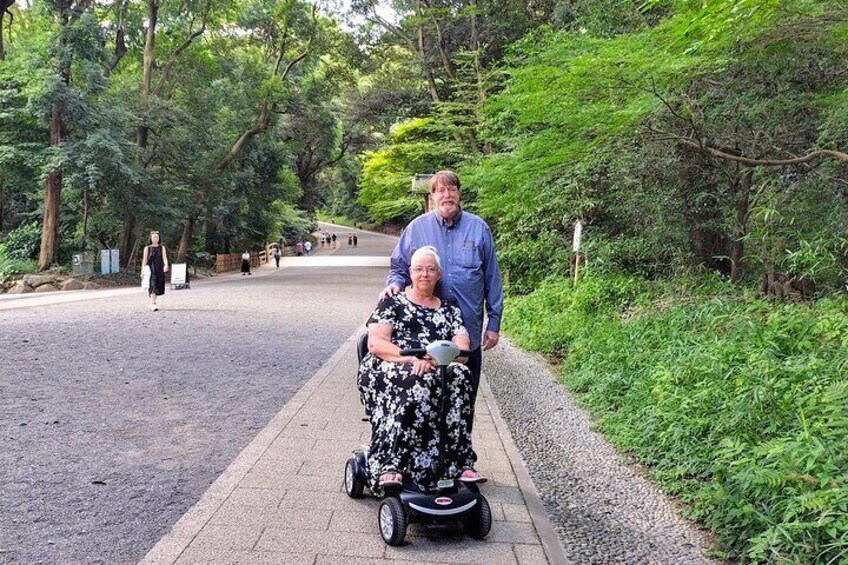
[282, 499]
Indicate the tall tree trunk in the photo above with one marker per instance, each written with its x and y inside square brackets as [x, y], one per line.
[185, 240]
[742, 189]
[447, 64]
[4, 9]
[428, 72]
[129, 229]
[478, 75]
[85, 213]
[2, 47]
[49, 252]
[2, 201]
[211, 232]
[475, 48]
[133, 255]
[149, 45]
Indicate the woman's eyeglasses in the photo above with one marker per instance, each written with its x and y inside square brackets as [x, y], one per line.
[428, 270]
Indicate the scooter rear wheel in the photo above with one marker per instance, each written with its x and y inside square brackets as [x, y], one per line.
[392, 521]
[478, 521]
[353, 484]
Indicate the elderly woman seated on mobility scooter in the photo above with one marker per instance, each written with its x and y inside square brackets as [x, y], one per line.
[420, 434]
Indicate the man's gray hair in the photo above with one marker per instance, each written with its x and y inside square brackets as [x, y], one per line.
[427, 250]
[447, 178]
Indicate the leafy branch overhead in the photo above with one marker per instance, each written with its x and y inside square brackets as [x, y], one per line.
[269, 103]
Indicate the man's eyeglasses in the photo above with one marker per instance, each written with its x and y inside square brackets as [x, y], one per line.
[441, 189]
[428, 270]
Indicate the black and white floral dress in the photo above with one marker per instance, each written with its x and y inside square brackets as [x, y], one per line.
[404, 408]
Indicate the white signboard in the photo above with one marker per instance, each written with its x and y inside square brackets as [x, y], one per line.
[178, 274]
[109, 261]
[578, 234]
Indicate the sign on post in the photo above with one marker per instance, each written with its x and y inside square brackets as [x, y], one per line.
[178, 275]
[578, 236]
[109, 261]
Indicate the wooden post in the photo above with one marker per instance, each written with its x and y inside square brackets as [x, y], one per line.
[576, 268]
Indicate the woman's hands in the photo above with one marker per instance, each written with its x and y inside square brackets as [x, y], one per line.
[421, 366]
[380, 345]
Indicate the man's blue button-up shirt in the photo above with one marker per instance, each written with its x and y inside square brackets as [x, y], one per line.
[470, 272]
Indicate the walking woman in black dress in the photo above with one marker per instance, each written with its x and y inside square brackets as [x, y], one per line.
[155, 257]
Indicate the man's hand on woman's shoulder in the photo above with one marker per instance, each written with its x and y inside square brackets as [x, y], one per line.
[390, 290]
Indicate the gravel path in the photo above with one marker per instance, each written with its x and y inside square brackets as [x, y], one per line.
[603, 511]
[114, 419]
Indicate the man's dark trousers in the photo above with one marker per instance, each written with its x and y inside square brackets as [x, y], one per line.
[475, 363]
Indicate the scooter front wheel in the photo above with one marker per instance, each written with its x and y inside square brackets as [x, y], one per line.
[353, 484]
[478, 521]
[392, 521]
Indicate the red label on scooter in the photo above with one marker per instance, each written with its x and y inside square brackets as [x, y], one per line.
[444, 501]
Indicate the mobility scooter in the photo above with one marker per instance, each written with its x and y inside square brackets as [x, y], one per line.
[452, 501]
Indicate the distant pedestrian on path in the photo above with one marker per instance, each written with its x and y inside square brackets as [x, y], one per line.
[298, 248]
[349, 239]
[277, 255]
[355, 239]
[155, 259]
[308, 248]
[245, 263]
[334, 240]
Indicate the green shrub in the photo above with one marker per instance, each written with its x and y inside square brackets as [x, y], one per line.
[23, 242]
[738, 405]
[14, 266]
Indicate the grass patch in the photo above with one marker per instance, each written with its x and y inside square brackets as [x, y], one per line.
[738, 405]
[11, 267]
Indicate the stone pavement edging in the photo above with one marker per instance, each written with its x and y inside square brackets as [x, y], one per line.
[169, 548]
[544, 529]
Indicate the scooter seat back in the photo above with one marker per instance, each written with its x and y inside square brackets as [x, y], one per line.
[362, 347]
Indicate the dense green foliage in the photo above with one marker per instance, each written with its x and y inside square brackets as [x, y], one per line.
[385, 182]
[612, 121]
[737, 406]
[596, 129]
[210, 121]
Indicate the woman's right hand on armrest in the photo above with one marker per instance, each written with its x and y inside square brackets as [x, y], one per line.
[421, 366]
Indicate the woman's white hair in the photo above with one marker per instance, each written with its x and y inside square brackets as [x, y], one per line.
[427, 250]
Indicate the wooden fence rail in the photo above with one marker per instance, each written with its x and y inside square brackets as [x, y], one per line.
[225, 262]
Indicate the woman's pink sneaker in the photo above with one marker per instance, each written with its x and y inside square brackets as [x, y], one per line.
[469, 475]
